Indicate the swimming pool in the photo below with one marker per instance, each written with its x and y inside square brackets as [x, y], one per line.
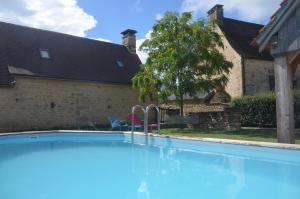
[110, 166]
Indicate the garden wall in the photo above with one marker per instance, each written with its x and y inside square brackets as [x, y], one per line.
[228, 119]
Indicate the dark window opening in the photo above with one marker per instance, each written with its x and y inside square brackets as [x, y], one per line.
[294, 83]
[271, 82]
[274, 41]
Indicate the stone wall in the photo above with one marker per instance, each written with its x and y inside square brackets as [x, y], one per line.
[257, 74]
[190, 106]
[229, 119]
[234, 86]
[194, 108]
[45, 104]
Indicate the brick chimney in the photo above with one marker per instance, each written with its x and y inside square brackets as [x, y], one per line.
[216, 13]
[129, 39]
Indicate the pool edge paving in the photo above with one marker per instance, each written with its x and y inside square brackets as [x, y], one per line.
[215, 140]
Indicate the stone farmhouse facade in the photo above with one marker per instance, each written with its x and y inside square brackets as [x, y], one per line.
[54, 80]
[252, 71]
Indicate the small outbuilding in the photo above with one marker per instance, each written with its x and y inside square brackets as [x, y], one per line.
[282, 37]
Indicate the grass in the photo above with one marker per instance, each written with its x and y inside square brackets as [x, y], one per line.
[250, 134]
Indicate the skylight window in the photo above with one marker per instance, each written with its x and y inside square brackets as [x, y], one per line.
[45, 53]
[120, 64]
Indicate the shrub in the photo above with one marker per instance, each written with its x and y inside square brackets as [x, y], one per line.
[260, 110]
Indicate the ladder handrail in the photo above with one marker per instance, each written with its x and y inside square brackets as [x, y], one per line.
[158, 117]
[146, 113]
[132, 116]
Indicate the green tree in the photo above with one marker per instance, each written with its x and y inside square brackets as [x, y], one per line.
[184, 58]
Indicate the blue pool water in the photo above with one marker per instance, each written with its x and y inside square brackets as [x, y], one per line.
[110, 166]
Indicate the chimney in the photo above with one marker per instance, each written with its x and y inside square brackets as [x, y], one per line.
[216, 13]
[129, 39]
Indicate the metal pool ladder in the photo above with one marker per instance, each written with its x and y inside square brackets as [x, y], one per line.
[146, 113]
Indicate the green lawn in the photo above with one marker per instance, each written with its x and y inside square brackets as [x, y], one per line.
[251, 134]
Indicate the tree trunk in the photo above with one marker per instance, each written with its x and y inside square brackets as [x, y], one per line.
[181, 105]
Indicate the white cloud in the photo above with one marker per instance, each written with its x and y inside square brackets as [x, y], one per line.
[102, 39]
[158, 16]
[249, 10]
[142, 55]
[56, 15]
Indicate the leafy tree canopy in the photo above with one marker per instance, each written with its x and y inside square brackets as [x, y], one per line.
[184, 58]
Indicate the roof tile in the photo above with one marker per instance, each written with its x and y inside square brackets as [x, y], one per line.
[240, 34]
[6, 79]
[71, 57]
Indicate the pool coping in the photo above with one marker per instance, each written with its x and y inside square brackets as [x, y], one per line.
[215, 140]
[236, 142]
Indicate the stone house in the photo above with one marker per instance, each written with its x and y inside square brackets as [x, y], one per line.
[252, 71]
[50, 79]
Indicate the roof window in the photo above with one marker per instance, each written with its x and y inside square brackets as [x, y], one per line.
[120, 64]
[45, 53]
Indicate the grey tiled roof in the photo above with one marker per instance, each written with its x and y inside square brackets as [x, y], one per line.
[240, 35]
[71, 57]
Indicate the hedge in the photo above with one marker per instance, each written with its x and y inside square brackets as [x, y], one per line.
[260, 110]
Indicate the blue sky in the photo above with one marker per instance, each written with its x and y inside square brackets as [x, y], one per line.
[115, 16]
[105, 19]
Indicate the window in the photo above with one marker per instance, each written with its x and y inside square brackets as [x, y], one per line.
[295, 83]
[274, 41]
[45, 53]
[120, 64]
[271, 82]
